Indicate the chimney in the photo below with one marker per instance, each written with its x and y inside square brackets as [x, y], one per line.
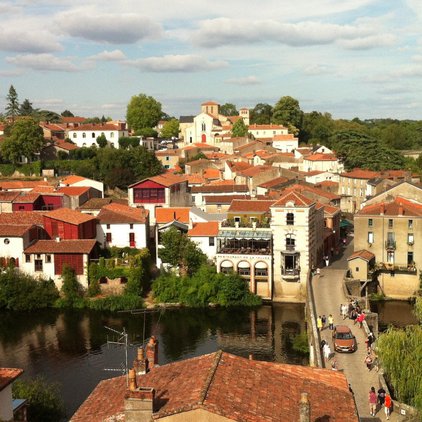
[250, 356]
[139, 402]
[140, 364]
[152, 352]
[304, 408]
[382, 209]
[401, 209]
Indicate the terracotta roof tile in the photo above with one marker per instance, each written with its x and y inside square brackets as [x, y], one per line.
[167, 215]
[231, 387]
[69, 216]
[78, 246]
[8, 196]
[59, 143]
[210, 173]
[204, 229]
[400, 206]
[70, 180]
[27, 198]
[95, 127]
[74, 190]
[8, 375]
[314, 190]
[22, 184]
[321, 157]
[256, 206]
[364, 254]
[254, 171]
[214, 188]
[223, 199]
[195, 179]
[7, 230]
[23, 218]
[274, 182]
[360, 174]
[167, 179]
[293, 197]
[265, 127]
[121, 214]
[95, 203]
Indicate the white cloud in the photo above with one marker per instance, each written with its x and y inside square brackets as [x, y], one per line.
[176, 63]
[242, 81]
[110, 56]
[316, 69]
[45, 62]
[113, 28]
[371, 41]
[27, 41]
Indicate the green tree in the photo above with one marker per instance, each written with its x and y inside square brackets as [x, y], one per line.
[26, 138]
[287, 112]
[317, 128]
[239, 129]
[170, 129]
[12, 106]
[228, 109]
[126, 142]
[26, 108]
[45, 402]
[261, 114]
[146, 132]
[143, 112]
[102, 141]
[67, 113]
[71, 288]
[179, 251]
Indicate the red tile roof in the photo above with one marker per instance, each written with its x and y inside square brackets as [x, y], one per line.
[74, 190]
[364, 254]
[288, 137]
[7, 230]
[265, 127]
[254, 206]
[204, 229]
[27, 198]
[400, 206]
[79, 246]
[220, 188]
[95, 127]
[22, 184]
[195, 179]
[274, 182]
[314, 190]
[70, 180]
[254, 171]
[294, 197]
[231, 387]
[121, 214]
[238, 165]
[166, 179]
[210, 103]
[210, 173]
[321, 157]
[65, 145]
[223, 199]
[69, 216]
[8, 375]
[360, 174]
[8, 196]
[167, 215]
[23, 218]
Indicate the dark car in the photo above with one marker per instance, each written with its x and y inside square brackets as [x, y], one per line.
[343, 339]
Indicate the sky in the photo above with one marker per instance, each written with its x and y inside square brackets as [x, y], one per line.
[351, 58]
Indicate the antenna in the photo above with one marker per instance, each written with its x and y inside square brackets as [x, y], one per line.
[121, 341]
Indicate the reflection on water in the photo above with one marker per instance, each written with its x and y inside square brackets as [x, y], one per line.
[71, 347]
[394, 312]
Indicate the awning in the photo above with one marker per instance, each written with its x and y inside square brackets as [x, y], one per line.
[243, 264]
[261, 265]
[226, 264]
[344, 224]
[245, 234]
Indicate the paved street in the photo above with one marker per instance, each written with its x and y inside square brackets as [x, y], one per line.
[329, 295]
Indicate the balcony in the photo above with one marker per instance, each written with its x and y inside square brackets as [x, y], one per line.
[260, 224]
[396, 268]
[290, 274]
[244, 251]
[390, 245]
[290, 248]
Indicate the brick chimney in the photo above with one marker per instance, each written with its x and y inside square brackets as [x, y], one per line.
[140, 364]
[139, 401]
[304, 408]
[401, 209]
[382, 209]
[152, 352]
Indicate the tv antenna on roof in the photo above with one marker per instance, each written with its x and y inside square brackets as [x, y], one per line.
[122, 340]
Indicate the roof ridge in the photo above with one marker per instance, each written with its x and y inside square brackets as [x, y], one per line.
[210, 377]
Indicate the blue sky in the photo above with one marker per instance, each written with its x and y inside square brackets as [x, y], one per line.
[352, 58]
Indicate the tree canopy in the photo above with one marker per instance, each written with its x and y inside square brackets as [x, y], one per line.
[143, 112]
[287, 112]
[12, 105]
[239, 129]
[261, 114]
[170, 129]
[25, 138]
[228, 109]
[67, 113]
[102, 141]
[26, 108]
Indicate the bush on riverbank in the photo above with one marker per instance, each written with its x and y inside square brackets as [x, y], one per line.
[21, 292]
[205, 287]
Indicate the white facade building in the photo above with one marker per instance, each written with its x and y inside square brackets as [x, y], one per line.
[205, 236]
[86, 135]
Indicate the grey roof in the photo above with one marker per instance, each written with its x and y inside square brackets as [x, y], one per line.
[186, 119]
[207, 216]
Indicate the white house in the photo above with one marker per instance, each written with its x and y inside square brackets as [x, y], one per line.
[205, 236]
[123, 226]
[86, 135]
[267, 131]
[78, 181]
[285, 142]
[322, 162]
[317, 176]
[10, 409]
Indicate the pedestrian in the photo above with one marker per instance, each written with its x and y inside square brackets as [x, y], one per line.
[330, 322]
[344, 311]
[376, 363]
[387, 406]
[324, 321]
[381, 396]
[341, 309]
[372, 401]
[318, 271]
[334, 365]
[327, 261]
[369, 340]
[319, 323]
[360, 318]
[326, 351]
[353, 316]
[368, 361]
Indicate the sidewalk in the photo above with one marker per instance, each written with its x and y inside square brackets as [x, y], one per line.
[328, 294]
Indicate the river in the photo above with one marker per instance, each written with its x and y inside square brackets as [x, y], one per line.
[71, 347]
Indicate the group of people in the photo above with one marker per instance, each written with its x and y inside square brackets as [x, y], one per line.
[371, 360]
[380, 398]
[322, 322]
[353, 311]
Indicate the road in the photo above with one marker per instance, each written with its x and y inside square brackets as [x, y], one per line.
[328, 294]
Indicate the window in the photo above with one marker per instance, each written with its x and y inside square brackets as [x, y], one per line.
[410, 258]
[6, 241]
[370, 222]
[211, 241]
[370, 237]
[390, 223]
[48, 259]
[237, 219]
[38, 265]
[167, 158]
[112, 135]
[410, 239]
[290, 242]
[410, 224]
[203, 127]
[108, 237]
[84, 135]
[131, 226]
[27, 258]
[74, 135]
[108, 226]
[132, 239]
[93, 135]
[21, 207]
[390, 257]
[290, 219]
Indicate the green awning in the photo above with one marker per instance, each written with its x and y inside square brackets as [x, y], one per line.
[344, 224]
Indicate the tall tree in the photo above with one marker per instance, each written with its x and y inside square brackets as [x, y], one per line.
[12, 106]
[170, 129]
[26, 139]
[261, 114]
[228, 109]
[102, 141]
[143, 112]
[26, 108]
[287, 112]
[239, 129]
[67, 113]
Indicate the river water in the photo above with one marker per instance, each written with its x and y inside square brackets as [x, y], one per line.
[72, 349]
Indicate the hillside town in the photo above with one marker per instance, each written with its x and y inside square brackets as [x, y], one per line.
[277, 213]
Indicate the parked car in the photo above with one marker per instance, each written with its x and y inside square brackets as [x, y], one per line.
[343, 339]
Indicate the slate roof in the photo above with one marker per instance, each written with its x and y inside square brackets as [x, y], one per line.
[79, 246]
[232, 387]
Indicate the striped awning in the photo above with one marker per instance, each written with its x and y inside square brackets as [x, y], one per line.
[245, 234]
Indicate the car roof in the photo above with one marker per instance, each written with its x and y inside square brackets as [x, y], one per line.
[343, 329]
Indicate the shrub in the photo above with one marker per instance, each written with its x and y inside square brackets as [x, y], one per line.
[115, 303]
[45, 403]
[300, 343]
[71, 289]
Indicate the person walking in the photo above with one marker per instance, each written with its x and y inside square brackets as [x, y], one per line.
[319, 323]
[372, 399]
[368, 361]
[344, 311]
[330, 322]
[381, 396]
[326, 350]
[387, 406]
[324, 321]
[327, 261]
